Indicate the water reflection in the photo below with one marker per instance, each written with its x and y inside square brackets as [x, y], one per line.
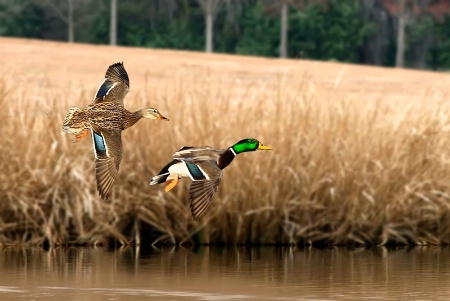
[264, 273]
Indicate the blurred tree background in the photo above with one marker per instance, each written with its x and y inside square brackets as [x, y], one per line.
[410, 33]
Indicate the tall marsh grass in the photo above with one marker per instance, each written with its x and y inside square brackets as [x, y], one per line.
[345, 169]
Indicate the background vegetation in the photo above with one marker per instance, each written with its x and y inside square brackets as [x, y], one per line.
[412, 33]
[360, 155]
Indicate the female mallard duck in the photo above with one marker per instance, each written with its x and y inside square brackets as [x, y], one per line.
[204, 166]
[106, 117]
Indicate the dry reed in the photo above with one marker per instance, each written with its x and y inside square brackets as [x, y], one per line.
[361, 167]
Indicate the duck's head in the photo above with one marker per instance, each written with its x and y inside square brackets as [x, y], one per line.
[151, 113]
[249, 145]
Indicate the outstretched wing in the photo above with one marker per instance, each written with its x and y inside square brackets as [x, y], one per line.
[202, 192]
[197, 154]
[115, 85]
[108, 154]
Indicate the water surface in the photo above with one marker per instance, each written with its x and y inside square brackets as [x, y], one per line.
[264, 273]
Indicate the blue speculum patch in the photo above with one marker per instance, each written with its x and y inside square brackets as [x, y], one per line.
[195, 171]
[104, 88]
[99, 143]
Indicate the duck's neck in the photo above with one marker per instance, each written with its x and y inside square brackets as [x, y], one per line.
[132, 117]
[226, 158]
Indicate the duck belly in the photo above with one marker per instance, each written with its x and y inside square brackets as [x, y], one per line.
[179, 170]
[188, 169]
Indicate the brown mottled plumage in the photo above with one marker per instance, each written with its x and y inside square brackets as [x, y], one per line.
[106, 117]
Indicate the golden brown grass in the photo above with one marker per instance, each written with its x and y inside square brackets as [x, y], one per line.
[361, 154]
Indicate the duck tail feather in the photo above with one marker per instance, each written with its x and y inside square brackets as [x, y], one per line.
[159, 179]
[67, 124]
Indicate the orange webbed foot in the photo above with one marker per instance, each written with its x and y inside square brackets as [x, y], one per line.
[82, 134]
[171, 184]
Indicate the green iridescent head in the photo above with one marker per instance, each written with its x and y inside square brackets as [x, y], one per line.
[249, 145]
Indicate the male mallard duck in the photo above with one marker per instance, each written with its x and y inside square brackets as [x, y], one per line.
[204, 166]
[106, 117]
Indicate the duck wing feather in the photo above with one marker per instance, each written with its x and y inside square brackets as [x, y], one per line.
[115, 85]
[201, 192]
[108, 150]
[198, 154]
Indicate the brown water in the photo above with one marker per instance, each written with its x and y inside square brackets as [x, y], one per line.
[265, 273]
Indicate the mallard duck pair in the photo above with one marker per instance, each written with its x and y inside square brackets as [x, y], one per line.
[106, 117]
